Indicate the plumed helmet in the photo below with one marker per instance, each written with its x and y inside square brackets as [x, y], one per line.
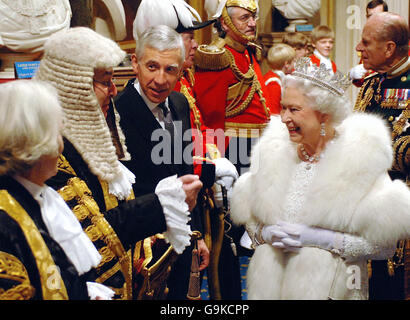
[176, 14]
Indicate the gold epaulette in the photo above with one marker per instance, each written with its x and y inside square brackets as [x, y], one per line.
[212, 56]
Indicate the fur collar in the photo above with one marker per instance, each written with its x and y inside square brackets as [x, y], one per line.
[351, 191]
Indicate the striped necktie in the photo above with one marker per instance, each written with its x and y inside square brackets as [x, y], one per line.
[168, 124]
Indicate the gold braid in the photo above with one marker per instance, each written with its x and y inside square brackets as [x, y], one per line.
[248, 77]
[192, 105]
[362, 102]
[399, 125]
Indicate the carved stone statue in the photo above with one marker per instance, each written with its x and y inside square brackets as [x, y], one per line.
[297, 11]
[24, 27]
[26, 24]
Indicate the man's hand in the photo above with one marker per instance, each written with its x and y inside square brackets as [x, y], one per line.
[191, 185]
[203, 254]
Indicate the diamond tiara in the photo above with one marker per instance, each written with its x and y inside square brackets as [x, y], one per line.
[336, 83]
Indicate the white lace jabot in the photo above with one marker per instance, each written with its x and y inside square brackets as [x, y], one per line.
[63, 226]
[172, 198]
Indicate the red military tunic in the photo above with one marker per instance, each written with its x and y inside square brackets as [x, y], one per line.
[231, 93]
[273, 85]
[202, 137]
[315, 60]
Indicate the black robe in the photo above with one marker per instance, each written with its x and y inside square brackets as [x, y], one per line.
[132, 220]
[14, 242]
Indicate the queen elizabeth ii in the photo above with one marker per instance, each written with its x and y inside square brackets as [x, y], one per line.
[318, 201]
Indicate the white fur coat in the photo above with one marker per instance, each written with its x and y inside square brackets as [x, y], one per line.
[350, 193]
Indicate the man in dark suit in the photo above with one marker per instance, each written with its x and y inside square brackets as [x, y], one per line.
[156, 124]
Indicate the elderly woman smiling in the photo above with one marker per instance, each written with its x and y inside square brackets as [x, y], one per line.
[318, 201]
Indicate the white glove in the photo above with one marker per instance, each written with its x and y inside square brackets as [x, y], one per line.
[357, 72]
[225, 172]
[273, 234]
[299, 235]
[218, 197]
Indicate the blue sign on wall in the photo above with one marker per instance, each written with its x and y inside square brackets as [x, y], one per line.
[26, 69]
[304, 27]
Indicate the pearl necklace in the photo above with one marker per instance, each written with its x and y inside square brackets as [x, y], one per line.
[311, 159]
[315, 158]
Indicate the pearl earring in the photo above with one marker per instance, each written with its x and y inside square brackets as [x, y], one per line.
[322, 129]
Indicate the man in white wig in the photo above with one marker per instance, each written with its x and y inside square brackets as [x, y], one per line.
[79, 64]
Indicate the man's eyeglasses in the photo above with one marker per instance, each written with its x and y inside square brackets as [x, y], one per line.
[108, 84]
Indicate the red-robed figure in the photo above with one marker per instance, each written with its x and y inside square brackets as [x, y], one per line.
[229, 87]
[230, 94]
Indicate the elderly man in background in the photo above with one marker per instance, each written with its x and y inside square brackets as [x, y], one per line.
[384, 49]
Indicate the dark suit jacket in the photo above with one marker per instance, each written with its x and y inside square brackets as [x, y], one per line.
[138, 124]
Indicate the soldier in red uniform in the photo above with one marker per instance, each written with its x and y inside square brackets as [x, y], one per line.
[229, 87]
[232, 98]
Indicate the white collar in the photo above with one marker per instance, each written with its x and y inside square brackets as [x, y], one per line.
[63, 226]
[319, 55]
[326, 61]
[151, 105]
[33, 188]
[280, 73]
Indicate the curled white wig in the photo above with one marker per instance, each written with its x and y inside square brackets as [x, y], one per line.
[70, 58]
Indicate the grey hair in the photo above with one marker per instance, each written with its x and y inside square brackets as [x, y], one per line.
[29, 126]
[394, 28]
[161, 38]
[319, 99]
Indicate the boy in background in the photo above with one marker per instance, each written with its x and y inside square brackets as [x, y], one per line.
[323, 41]
[298, 41]
[280, 60]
